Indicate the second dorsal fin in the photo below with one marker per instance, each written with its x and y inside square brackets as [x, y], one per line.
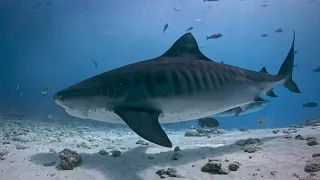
[186, 45]
[264, 70]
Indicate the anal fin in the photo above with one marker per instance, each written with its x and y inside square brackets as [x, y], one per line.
[270, 93]
[238, 111]
[244, 107]
[145, 124]
[260, 99]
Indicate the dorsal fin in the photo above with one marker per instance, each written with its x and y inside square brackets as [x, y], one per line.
[186, 45]
[264, 70]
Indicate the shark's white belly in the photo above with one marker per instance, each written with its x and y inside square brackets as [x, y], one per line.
[98, 115]
[182, 108]
[204, 105]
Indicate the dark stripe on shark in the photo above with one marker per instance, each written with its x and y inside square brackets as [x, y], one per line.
[176, 83]
[220, 79]
[137, 79]
[149, 85]
[187, 79]
[140, 81]
[121, 87]
[162, 79]
[204, 78]
[195, 79]
[212, 79]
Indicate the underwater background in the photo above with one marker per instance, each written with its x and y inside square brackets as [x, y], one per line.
[54, 43]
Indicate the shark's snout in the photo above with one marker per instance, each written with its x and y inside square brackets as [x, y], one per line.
[58, 99]
[56, 96]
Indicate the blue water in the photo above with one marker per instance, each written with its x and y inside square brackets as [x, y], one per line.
[54, 45]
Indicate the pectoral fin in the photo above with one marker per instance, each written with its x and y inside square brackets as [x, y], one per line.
[145, 124]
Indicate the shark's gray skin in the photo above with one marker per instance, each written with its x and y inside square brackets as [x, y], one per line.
[252, 107]
[180, 85]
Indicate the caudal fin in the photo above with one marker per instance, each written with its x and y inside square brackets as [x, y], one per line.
[286, 69]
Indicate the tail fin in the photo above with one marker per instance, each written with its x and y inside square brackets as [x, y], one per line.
[286, 69]
[303, 105]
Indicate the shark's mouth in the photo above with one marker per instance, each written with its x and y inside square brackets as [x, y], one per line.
[61, 104]
[76, 113]
[96, 114]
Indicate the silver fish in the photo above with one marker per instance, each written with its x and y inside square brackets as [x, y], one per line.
[176, 9]
[199, 20]
[45, 90]
[180, 85]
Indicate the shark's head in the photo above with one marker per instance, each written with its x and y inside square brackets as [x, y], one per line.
[72, 98]
[80, 98]
[88, 102]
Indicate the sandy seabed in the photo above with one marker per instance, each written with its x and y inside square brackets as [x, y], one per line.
[30, 151]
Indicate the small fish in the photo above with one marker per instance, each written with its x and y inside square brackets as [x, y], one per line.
[260, 121]
[189, 29]
[21, 94]
[264, 35]
[176, 9]
[199, 20]
[310, 104]
[165, 27]
[45, 90]
[50, 116]
[279, 30]
[214, 36]
[95, 63]
[316, 69]
[18, 86]
[296, 65]
[264, 5]
[296, 52]
[210, 0]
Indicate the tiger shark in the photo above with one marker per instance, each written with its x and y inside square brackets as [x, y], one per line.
[180, 85]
